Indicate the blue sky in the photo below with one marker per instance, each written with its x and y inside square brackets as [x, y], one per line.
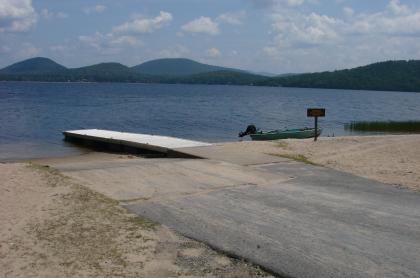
[278, 36]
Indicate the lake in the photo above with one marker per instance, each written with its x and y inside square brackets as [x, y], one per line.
[33, 115]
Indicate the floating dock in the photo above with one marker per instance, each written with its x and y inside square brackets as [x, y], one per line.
[132, 142]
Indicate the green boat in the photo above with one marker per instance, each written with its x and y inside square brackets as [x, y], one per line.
[301, 133]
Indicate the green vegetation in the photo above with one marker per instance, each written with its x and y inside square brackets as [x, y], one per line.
[384, 76]
[219, 77]
[298, 158]
[390, 126]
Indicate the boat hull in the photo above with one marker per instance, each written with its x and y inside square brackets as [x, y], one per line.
[286, 134]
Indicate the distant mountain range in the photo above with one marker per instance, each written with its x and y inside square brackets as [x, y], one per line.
[386, 76]
[156, 71]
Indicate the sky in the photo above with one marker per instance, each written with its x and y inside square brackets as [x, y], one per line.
[276, 36]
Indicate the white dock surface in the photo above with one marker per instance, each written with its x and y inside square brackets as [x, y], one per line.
[146, 140]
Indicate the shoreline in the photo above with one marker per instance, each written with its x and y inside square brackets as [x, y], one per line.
[203, 84]
[77, 150]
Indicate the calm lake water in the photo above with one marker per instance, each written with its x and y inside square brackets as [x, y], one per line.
[33, 115]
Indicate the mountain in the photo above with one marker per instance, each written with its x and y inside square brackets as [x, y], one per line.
[176, 67]
[104, 72]
[383, 76]
[37, 65]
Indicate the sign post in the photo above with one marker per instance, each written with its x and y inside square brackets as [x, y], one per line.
[315, 113]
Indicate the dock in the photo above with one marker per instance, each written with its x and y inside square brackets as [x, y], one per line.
[133, 142]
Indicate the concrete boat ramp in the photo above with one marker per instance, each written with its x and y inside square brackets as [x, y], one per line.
[294, 219]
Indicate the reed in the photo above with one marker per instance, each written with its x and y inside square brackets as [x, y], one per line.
[384, 126]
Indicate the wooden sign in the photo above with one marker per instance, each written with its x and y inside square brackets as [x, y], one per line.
[316, 112]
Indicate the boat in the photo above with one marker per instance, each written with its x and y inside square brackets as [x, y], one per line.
[301, 133]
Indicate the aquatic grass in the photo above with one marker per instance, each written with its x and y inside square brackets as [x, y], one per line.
[384, 126]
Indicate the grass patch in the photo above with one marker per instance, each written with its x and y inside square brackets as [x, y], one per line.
[298, 157]
[384, 126]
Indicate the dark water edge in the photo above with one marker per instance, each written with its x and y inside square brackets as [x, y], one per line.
[33, 114]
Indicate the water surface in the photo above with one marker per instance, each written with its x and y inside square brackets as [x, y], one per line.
[33, 115]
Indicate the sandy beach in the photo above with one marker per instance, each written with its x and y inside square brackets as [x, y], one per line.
[54, 226]
[391, 159]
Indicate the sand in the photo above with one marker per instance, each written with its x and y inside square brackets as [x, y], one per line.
[54, 227]
[392, 159]
[51, 226]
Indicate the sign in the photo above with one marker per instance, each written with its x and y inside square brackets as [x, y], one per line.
[316, 112]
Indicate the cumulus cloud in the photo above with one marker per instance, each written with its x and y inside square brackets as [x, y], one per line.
[319, 41]
[143, 25]
[109, 43]
[396, 7]
[16, 15]
[213, 52]
[125, 35]
[235, 18]
[97, 9]
[204, 25]
[210, 26]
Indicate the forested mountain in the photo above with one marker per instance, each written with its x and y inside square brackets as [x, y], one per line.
[383, 76]
[176, 67]
[34, 66]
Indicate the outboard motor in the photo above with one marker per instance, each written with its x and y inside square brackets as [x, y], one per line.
[251, 129]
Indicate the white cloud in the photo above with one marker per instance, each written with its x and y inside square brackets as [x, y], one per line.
[302, 30]
[213, 52]
[397, 8]
[203, 25]
[144, 25]
[312, 41]
[109, 43]
[124, 36]
[94, 9]
[277, 3]
[16, 15]
[232, 18]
